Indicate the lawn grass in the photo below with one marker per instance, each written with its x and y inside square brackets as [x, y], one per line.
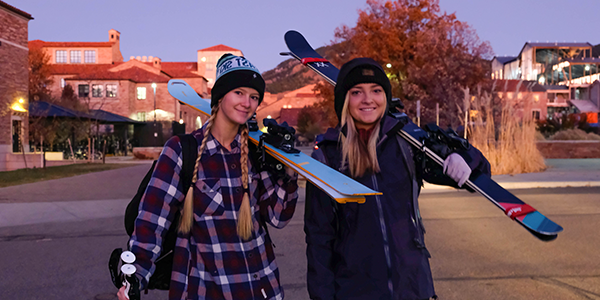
[23, 176]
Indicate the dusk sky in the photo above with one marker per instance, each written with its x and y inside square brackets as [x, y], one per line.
[175, 30]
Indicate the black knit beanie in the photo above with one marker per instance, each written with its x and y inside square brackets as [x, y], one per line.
[234, 72]
[356, 71]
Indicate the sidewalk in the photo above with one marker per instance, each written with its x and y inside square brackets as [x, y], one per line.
[584, 172]
[130, 159]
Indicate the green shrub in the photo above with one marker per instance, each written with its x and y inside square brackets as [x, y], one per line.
[574, 134]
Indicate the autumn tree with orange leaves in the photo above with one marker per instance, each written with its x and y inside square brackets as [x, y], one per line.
[39, 73]
[429, 55]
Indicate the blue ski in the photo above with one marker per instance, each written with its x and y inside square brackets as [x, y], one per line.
[340, 187]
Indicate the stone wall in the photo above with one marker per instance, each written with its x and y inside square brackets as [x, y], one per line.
[569, 149]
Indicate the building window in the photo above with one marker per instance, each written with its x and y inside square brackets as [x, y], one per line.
[90, 56]
[62, 83]
[97, 90]
[535, 114]
[76, 57]
[61, 56]
[16, 136]
[84, 90]
[111, 90]
[141, 116]
[141, 93]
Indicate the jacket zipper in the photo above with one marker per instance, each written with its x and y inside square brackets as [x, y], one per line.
[415, 215]
[386, 246]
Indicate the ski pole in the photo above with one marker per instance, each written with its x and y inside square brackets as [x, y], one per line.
[130, 281]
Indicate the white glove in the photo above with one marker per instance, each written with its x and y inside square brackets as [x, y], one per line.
[457, 168]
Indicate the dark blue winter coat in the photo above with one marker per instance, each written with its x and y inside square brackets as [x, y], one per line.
[373, 250]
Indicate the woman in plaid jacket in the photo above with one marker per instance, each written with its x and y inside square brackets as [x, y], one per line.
[221, 251]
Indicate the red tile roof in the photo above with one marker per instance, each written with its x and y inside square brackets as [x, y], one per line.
[15, 10]
[305, 95]
[219, 47]
[74, 69]
[180, 69]
[102, 72]
[133, 74]
[40, 43]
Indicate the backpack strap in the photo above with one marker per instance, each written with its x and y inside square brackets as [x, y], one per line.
[189, 150]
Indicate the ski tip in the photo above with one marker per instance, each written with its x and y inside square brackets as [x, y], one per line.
[546, 234]
[293, 35]
[177, 81]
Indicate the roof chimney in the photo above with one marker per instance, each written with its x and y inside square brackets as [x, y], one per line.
[156, 62]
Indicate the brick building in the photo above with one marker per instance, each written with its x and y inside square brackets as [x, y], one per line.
[541, 102]
[570, 73]
[14, 79]
[136, 88]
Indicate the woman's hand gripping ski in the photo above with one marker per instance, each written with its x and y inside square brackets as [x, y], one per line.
[457, 168]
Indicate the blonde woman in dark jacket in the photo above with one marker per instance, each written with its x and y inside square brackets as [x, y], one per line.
[374, 250]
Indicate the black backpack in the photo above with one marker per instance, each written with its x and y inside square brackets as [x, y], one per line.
[161, 278]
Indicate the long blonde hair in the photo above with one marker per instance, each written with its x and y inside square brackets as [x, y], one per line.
[244, 224]
[358, 156]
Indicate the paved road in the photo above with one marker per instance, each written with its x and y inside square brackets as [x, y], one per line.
[477, 252]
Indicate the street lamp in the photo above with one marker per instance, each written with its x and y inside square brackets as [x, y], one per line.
[154, 89]
[155, 133]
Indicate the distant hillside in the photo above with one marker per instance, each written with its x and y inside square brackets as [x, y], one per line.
[290, 75]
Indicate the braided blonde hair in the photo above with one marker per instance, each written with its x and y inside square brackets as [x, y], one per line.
[244, 225]
[187, 215]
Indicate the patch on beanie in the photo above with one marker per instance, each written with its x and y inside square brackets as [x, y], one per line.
[234, 63]
[368, 72]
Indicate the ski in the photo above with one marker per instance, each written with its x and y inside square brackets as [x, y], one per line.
[338, 186]
[525, 215]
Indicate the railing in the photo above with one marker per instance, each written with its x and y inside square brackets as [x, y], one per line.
[588, 79]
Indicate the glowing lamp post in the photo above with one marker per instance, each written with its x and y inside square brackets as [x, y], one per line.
[155, 133]
[154, 89]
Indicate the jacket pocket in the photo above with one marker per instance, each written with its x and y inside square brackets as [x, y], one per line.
[209, 199]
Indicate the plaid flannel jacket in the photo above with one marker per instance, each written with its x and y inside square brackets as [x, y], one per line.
[212, 262]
